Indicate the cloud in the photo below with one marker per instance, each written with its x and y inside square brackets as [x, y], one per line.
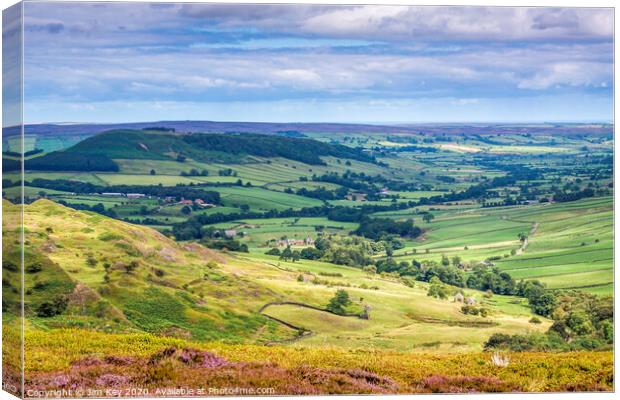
[464, 23]
[569, 74]
[182, 53]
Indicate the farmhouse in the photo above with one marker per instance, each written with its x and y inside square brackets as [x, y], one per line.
[231, 233]
[296, 242]
[356, 196]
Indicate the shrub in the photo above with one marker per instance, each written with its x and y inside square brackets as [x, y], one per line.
[54, 307]
[9, 266]
[274, 251]
[34, 268]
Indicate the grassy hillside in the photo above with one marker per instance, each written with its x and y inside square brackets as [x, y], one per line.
[108, 270]
[97, 152]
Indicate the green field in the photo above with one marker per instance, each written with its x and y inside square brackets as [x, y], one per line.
[579, 255]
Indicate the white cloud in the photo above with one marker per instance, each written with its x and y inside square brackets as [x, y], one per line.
[569, 74]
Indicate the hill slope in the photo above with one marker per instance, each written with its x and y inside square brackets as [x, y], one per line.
[84, 269]
[97, 152]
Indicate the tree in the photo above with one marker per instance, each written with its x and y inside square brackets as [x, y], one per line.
[287, 254]
[579, 323]
[153, 172]
[522, 237]
[456, 261]
[428, 217]
[295, 256]
[186, 210]
[437, 289]
[445, 261]
[339, 302]
[310, 253]
[543, 305]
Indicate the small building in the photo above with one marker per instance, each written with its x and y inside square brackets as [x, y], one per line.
[309, 241]
[231, 233]
[199, 201]
[186, 202]
[458, 298]
[135, 195]
[169, 199]
[357, 196]
[112, 194]
[470, 301]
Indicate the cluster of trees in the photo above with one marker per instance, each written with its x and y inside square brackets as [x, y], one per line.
[437, 289]
[341, 250]
[321, 193]
[413, 148]
[190, 192]
[357, 181]
[540, 300]
[305, 150]
[227, 172]
[67, 161]
[194, 172]
[377, 228]
[581, 321]
[228, 244]
[573, 196]
[98, 208]
[492, 279]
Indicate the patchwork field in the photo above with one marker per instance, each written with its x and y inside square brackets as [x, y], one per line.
[571, 248]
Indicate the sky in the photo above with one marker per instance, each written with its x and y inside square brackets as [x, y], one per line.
[126, 62]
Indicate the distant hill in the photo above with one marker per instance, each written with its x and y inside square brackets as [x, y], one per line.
[286, 129]
[96, 153]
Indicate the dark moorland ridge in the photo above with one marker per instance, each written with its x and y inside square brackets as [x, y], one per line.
[274, 128]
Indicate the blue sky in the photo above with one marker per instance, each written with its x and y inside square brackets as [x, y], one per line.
[122, 62]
